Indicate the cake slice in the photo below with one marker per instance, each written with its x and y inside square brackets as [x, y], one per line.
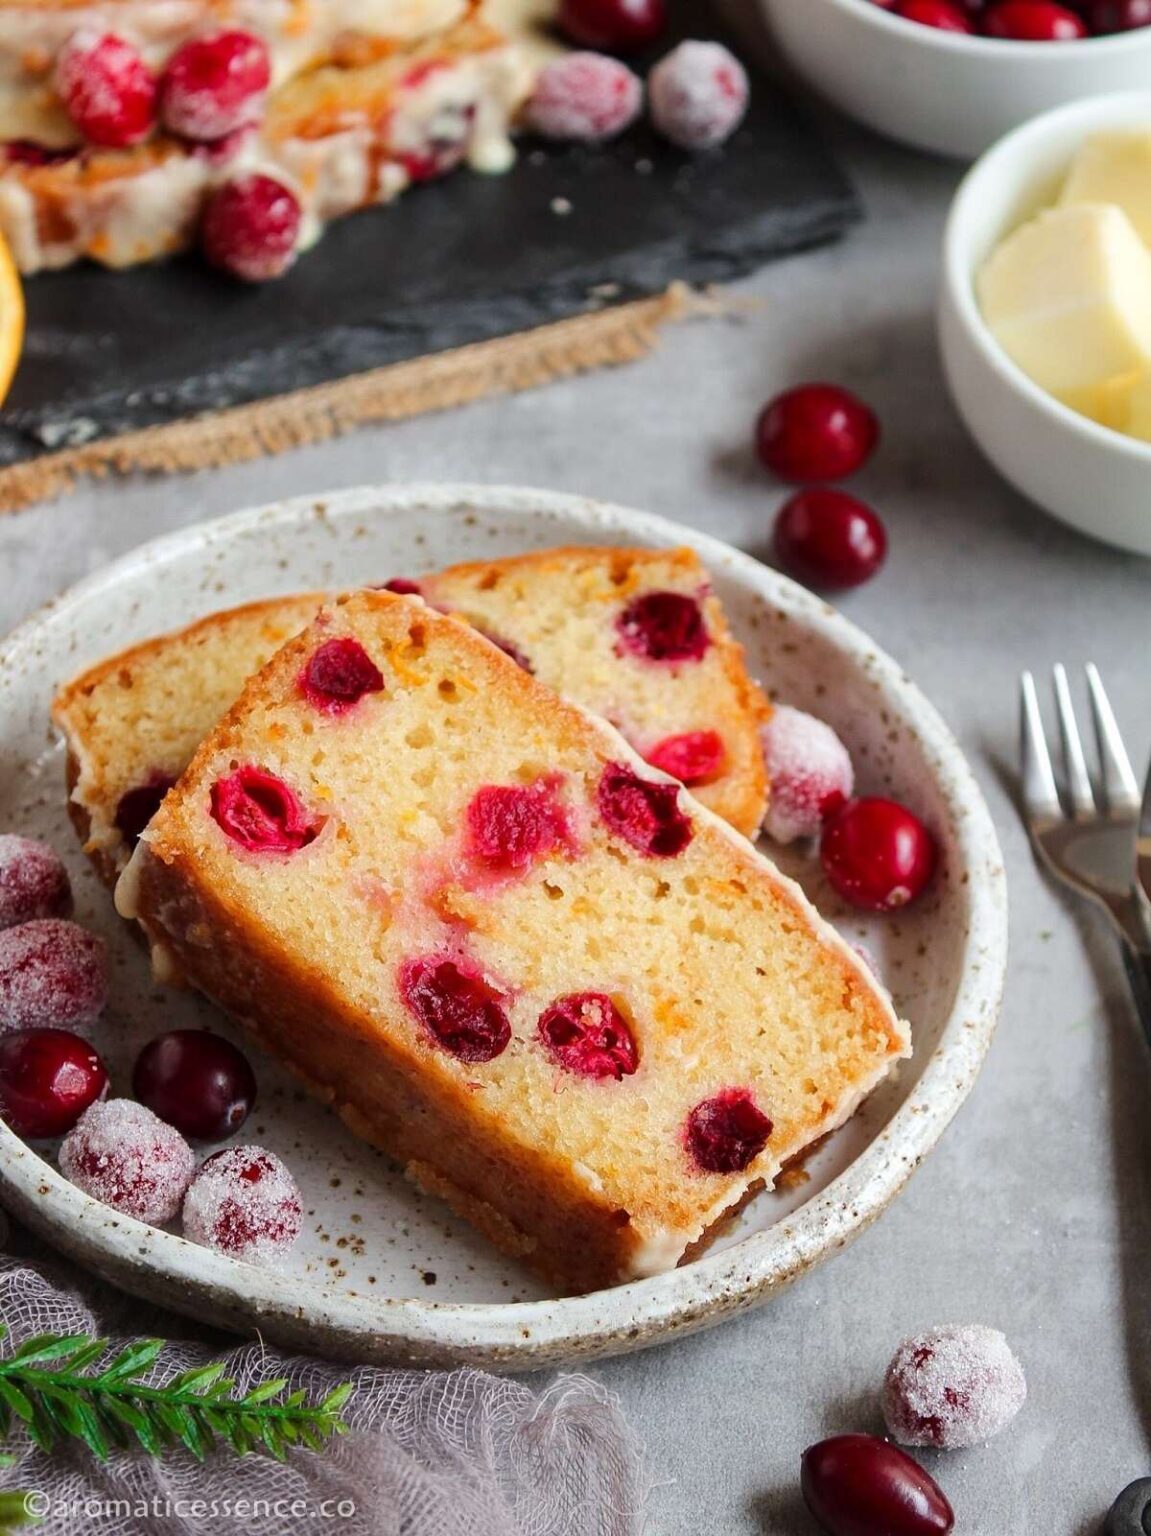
[563, 995]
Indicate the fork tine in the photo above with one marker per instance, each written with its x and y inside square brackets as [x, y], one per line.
[1119, 786]
[1040, 796]
[1078, 779]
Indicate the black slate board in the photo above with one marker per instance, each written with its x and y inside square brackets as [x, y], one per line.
[461, 260]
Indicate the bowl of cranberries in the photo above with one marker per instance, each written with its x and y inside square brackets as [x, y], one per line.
[952, 76]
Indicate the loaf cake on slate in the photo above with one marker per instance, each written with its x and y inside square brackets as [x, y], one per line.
[563, 995]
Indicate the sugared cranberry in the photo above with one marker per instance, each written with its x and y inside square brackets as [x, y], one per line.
[809, 774]
[858, 1485]
[251, 226]
[261, 813]
[644, 813]
[1034, 21]
[583, 96]
[120, 1153]
[107, 89]
[619, 26]
[138, 806]
[829, 539]
[816, 432]
[697, 95]
[33, 881]
[198, 1082]
[1107, 16]
[941, 14]
[588, 1035]
[509, 649]
[952, 1387]
[877, 854]
[725, 1133]
[338, 675]
[664, 626]
[458, 1008]
[402, 586]
[53, 974]
[214, 85]
[48, 1078]
[696, 757]
[245, 1203]
[510, 826]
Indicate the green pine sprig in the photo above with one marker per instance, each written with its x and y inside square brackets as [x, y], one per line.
[49, 1385]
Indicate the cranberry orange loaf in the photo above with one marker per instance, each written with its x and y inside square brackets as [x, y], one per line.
[563, 995]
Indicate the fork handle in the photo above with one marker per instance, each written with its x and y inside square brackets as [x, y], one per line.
[1138, 967]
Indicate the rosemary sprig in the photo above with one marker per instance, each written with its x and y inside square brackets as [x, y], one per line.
[49, 1385]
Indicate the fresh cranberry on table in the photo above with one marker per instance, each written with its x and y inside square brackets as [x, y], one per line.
[107, 89]
[940, 14]
[583, 97]
[618, 26]
[816, 432]
[48, 1078]
[251, 227]
[829, 539]
[214, 85]
[1033, 21]
[198, 1082]
[858, 1485]
[1107, 16]
[697, 95]
[877, 854]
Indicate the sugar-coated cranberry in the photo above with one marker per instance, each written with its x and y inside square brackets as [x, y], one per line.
[941, 14]
[251, 227]
[509, 826]
[137, 806]
[107, 89]
[1107, 16]
[877, 854]
[858, 1485]
[1034, 21]
[829, 539]
[583, 96]
[457, 1008]
[725, 1133]
[53, 974]
[664, 626]
[644, 813]
[619, 26]
[198, 1082]
[338, 674]
[48, 1078]
[123, 1155]
[509, 649]
[588, 1035]
[816, 432]
[695, 757]
[262, 813]
[809, 774]
[33, 881]
[697, 95]
[402, 586]
[952, 1387]
[244, 1202]
[214, 84]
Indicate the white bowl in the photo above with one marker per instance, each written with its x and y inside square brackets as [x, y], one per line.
[945, 91]
[1089, 476]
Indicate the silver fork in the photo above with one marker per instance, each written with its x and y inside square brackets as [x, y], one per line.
[1088, 843]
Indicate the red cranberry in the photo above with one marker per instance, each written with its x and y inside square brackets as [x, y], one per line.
[952, 1387]
[261, 813]
[120, 1153]
[941, 14]
[583, 96]
[829, 539]
[251, 226]
[214, 85]
[244, 1202]
[588, 1035]
[725, 1133]
[25, 152]
[877, 854]
[696, 757]
[138, 806]
[858, 1485]
[33, 881]
[816, 432]
[107, 89]
[338, 675]
[198, 1082]
[619, 26]
[48, 1078]
[509, 648]
[402, 587]
[1106, 16]
[697, 95]
[510, 826]
[1034, 21]
[645, 814]
[52, 974]
[460, 1011]
[664, 626]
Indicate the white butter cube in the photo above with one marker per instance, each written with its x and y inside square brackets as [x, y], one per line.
[1114, 168]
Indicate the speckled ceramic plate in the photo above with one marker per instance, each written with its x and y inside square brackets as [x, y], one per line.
[381, 1273]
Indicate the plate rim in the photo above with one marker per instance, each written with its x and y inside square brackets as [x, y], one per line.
[527, 1334]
